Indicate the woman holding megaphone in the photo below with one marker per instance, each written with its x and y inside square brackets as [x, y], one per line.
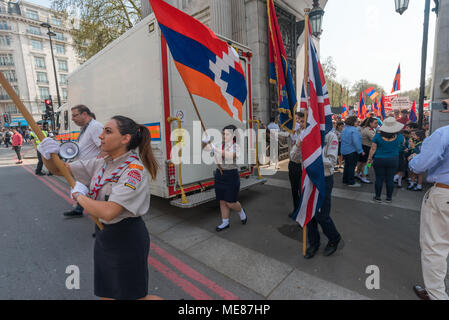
[116, 190]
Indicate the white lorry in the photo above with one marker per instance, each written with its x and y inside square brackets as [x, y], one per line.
[135, 76]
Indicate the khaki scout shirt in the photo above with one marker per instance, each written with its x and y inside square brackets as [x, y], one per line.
[131, 188]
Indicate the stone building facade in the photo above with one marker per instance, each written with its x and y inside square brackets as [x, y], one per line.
[440, 76]
[25, 56]
[246, 22]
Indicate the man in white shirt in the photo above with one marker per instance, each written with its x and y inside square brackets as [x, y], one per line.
[273, 125]
[88, 141]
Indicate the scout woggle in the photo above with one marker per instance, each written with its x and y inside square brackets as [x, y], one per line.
[98, 186]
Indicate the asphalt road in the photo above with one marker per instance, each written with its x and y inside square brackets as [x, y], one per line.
[189, 260]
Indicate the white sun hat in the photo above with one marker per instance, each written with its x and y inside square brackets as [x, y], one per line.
[390, 125]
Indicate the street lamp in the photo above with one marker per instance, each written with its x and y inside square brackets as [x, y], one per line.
[401, 6]
[316, 18]
[52, 34]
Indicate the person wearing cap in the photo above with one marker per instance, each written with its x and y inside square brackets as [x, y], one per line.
[384, 156]
[434, 225]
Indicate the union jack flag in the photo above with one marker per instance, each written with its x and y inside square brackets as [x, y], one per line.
[319, 123]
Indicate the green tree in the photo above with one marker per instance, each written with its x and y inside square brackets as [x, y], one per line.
[98, 23]
[362, 85]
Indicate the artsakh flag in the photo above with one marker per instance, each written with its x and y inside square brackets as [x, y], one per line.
[382, 108]
[376, 108]
[413, 116]
[280, 72]
[209, 67]
[397, 80]
[371, 92]
[362, 107]
[319, 123]
[345, 112]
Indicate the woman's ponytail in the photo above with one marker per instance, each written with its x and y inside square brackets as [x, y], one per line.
[141, 138]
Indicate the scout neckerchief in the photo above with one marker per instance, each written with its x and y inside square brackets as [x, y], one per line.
[98, 186]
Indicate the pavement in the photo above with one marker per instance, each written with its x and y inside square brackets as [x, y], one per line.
[265, 256]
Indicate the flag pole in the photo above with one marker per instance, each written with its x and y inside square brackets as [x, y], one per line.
[202, 125]
[29, 118]
[306, 81]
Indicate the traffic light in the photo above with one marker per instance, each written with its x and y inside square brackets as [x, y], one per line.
[48, 109]
[6, 118]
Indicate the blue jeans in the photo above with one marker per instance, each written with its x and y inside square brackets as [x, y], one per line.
[385, 169]
[323, 218]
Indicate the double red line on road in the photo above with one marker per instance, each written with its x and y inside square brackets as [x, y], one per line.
[187, 286]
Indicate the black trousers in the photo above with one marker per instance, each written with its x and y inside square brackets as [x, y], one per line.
[294, 174]
[40, 163]
[17, 150]
[322, 217]
[350, 164]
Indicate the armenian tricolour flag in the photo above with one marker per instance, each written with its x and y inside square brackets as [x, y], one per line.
[397, 80]
[209, 67]
[371, 92]
[413, 117]
[345, 112]
[382, 108]
[362, 107]
[280, 73]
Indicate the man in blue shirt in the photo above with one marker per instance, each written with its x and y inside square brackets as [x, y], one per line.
[351, 147]
[434, 226]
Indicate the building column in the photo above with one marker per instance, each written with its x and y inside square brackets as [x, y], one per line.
[221, 17]
[238, 21]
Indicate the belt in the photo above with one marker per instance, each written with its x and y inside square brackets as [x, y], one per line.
[441, 185]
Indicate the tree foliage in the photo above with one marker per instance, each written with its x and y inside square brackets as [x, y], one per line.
[98, 22]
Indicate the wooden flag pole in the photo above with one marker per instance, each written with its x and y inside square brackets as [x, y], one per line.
[29, 118]
[306, 81]
[202, 125]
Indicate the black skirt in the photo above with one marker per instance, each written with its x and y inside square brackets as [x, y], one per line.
[227, 185]
[121, 260]
[364, 158]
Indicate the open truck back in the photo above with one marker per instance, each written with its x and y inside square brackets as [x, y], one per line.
[135, 76]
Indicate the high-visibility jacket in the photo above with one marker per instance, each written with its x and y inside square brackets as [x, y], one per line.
[36, 139]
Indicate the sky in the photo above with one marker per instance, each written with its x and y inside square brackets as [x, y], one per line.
[367, 39]
[44, 3]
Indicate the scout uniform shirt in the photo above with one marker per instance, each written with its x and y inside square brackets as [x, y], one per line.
[130, 188]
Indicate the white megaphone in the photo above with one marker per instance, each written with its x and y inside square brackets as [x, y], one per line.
[69, 150]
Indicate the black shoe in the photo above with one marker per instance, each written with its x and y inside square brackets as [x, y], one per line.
[40, 174]
[310, 252]
[221, 229]
[73, 214]
[93, 235]
[49, 174]
[331, 248]
[377, 199]
[244, 220]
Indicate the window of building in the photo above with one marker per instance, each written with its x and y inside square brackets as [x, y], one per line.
[34, 30]
[10, 75]
[5, 41]
[63, 79]
[39, 62]
[36, 44]
[11, 108]
[60, 48]
[4, 95]
[4, 25]
[44, 93]
[59, 36]
[31, 14]
[6, 60]
[64, 93]
[56, 21]
[42, 77]
[62, 64]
